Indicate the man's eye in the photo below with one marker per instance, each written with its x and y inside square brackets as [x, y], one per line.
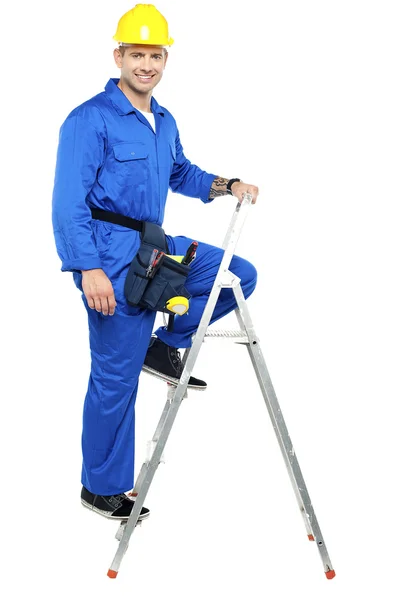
[157, 56]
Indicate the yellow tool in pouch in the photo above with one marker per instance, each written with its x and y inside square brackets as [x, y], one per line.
[176, 257]
[177, 305]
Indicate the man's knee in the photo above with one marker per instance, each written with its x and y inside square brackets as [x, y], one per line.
[251, 277]
[247, 272]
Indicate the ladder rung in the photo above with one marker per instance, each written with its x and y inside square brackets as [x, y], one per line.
[236, 335]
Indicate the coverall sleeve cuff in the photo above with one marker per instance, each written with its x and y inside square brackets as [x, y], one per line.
[81, 265]
[206, 187]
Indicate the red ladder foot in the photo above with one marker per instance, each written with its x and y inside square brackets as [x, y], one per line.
[330, 574]
[112, 574]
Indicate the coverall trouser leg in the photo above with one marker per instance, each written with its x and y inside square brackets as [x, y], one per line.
[118, 346]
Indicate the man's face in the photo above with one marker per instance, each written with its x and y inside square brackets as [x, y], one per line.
[141, 66]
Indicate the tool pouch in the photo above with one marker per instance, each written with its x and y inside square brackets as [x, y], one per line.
[166, 281]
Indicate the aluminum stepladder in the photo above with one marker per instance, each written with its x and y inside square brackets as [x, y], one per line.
[246, 335]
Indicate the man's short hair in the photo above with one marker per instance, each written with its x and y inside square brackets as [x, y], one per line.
[122, 47]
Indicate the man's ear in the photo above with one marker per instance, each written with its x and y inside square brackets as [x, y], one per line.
[166, 57]
[118, 58]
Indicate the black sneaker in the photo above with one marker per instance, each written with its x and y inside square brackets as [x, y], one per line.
[112, 507]
[165, 362]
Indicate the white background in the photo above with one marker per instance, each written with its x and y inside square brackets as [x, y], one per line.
[301, 99]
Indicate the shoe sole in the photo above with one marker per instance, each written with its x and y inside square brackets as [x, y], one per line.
[107, 515]
[172, 380]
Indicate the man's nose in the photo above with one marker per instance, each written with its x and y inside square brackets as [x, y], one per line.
[145, 63]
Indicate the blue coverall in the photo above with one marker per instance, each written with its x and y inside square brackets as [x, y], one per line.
[109, 157]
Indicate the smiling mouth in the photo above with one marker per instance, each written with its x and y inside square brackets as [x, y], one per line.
[144, 78]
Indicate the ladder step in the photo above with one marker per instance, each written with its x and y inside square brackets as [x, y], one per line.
[236, 335]
[121, 530]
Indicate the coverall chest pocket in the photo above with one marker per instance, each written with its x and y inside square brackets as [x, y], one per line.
[131, 163]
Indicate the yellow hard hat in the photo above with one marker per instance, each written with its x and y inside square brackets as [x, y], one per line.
[143, 24]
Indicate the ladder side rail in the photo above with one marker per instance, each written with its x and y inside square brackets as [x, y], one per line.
[163, 417]
[230, 243]
[237, 221]
[280, 427]
[148, 469]
[155, 437]
[268, 392]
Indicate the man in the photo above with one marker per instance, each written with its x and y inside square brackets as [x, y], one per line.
[120, 152]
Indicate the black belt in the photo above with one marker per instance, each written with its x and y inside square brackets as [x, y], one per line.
[117, 219]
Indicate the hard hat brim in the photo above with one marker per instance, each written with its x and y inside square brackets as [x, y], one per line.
[168, 43]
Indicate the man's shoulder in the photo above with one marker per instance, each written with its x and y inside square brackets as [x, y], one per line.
[168, 115]
[163, 109]
[91, 110]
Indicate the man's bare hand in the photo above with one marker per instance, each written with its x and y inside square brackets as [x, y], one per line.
[239, 188]
[98, 291]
